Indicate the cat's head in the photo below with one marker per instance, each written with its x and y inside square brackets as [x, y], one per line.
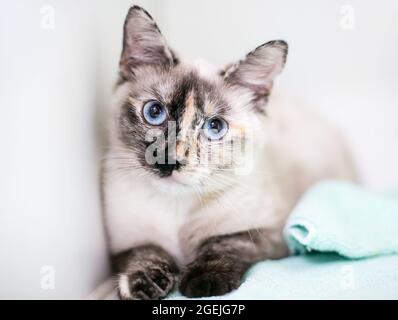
[185, 124]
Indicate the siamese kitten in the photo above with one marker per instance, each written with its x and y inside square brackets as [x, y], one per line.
[204, 166]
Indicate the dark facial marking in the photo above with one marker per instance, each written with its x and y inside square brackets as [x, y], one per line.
[130, 124]
[133, 128]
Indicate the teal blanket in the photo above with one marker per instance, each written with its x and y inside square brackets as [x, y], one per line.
[351, 236]
[319, 276]
[346, 219]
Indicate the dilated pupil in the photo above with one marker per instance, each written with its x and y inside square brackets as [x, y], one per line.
[155, 111]
[215, 125]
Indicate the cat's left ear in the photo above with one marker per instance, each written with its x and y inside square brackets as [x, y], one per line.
[143, 43]
[259, 68]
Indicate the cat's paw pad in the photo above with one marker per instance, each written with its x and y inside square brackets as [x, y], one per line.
[209, 278]
[151, 282]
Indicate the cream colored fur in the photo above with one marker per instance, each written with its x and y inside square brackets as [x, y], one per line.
[296, 148]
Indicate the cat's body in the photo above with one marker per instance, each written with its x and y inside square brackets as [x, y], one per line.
[210, 223]
[302, 149]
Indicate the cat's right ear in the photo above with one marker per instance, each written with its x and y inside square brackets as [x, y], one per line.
[258, 69]
[143, 43]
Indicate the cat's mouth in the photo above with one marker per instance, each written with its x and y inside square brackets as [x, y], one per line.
[176, 182]
[178, 178]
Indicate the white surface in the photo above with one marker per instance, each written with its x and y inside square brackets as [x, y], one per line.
[53, 82]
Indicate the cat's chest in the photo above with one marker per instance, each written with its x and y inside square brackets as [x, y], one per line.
[135, 215]
[139, 214]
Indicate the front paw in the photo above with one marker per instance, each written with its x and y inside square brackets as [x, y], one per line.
[145, 282]
[205, 278]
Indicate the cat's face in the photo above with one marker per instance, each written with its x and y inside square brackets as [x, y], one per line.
[189, 125]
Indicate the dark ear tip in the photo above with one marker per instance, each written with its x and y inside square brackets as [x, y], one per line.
[278, 44]
[134, 9]
[137, 10]
[282, 44]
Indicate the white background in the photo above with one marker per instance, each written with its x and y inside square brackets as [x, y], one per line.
[54, 82]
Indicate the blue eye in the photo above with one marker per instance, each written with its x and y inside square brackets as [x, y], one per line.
[215, 128]
[154, 113]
